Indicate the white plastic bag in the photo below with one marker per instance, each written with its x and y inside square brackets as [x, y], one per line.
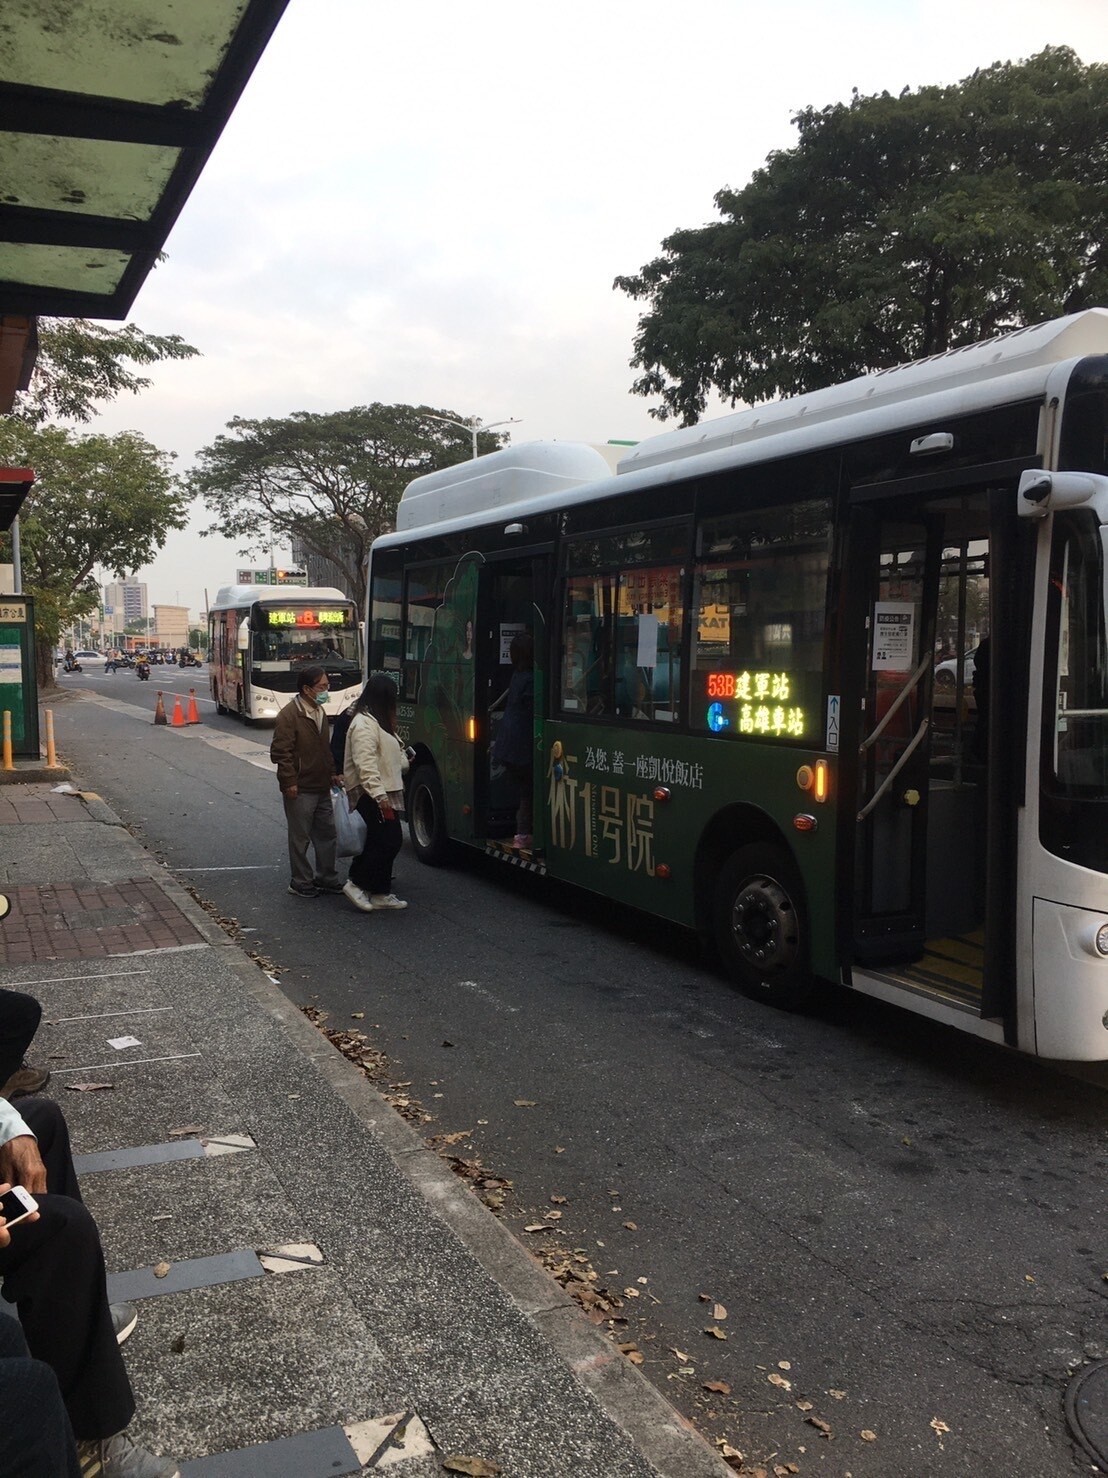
[350, 829]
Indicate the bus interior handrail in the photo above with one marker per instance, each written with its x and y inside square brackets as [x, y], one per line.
[911, 748]
[906, 691]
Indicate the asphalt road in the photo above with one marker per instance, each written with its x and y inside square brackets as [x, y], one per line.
[904, 1227]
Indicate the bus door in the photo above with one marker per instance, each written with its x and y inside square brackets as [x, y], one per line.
[512, 600]
[939, 673]
[902, 549]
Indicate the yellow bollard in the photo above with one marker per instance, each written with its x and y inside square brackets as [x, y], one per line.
[51, 752]
[9, 763]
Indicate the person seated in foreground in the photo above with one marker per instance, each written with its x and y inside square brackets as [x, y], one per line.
[52, 1269]
[19, 1018]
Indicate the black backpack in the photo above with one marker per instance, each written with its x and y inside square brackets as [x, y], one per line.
[339, 726]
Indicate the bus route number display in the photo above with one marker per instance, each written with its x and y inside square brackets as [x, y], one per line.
[754, 702]
[306, 618]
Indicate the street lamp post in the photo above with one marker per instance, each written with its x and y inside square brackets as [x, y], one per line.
[474, 425]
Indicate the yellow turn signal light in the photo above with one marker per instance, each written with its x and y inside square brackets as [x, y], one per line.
[822, 782]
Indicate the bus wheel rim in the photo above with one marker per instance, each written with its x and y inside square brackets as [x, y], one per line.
[764, 925]
[423, 816]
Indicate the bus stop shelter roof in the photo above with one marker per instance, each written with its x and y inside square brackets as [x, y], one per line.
[109, 110]
[15, 484]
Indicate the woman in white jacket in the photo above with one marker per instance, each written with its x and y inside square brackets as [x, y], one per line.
[373, 773]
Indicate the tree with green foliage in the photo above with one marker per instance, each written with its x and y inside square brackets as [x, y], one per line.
[897, 227]
[81, 363]
[96, 500]
[329, 482]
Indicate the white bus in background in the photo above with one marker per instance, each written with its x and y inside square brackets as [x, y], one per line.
[261, 638]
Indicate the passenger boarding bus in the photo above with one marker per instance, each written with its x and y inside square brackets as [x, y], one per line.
[260, 638]
[737, 720]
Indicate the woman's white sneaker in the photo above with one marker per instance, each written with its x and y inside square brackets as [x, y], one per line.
[386, 900]
[358, 897]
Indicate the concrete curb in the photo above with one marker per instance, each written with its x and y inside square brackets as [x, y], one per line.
[29, 773]
[661, 1434]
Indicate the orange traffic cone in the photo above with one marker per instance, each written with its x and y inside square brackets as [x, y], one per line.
[193, 715]
[178, 719]
[159, 712]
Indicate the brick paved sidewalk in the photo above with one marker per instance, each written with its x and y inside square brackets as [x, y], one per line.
[70, 921]
[25, 804]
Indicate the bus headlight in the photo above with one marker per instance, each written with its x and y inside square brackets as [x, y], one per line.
[1100, 940]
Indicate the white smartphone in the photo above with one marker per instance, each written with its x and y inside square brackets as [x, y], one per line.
[17, 1205]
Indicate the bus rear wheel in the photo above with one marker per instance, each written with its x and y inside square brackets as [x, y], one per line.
[427, 816]
[760, 926]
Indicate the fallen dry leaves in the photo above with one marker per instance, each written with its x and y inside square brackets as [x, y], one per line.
[473, 1467]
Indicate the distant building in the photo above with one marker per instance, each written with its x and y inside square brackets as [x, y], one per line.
[171, 626]
[124, 602]
[320, 571]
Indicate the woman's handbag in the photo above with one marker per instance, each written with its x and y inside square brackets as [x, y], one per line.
[350, 828]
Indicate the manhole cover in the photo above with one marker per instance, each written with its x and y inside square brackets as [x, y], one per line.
[1087, 1410]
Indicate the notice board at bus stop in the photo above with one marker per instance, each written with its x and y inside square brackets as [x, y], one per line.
[18, 684]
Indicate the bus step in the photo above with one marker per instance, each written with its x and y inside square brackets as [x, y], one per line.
[503, 851]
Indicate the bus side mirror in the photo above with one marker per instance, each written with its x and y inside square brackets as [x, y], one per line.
[1041, 493]
[243, 641]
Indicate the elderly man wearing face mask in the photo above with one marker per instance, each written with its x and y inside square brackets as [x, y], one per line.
[301, 750]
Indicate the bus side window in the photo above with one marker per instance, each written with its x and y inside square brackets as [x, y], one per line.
[585, 661]
[651, 616]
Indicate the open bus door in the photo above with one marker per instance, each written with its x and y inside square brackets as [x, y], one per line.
[513, 596]
[938, 769]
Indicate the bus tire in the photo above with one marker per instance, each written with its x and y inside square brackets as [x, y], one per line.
[427, 816]
[220, 707]
[761, 927]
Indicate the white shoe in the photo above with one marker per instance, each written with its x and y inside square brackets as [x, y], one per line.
[386, 900]
[358, 897]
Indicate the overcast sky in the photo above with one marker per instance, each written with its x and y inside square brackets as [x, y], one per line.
[428, 203]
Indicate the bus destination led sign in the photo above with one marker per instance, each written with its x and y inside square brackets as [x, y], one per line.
[306, 618]
[753, 702]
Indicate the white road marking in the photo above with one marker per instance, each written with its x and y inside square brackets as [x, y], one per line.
[103, 1067]
[92, 975]
[100, 1015]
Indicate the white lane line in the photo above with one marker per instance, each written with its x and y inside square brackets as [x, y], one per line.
[100, 1015]
[486, 995]
[243, 867]
[103, 1067]
[95, 975]
[168, 949]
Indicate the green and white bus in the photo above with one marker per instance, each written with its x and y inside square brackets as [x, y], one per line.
[737, 722]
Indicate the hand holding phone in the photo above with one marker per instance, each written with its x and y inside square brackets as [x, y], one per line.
[16, 1205]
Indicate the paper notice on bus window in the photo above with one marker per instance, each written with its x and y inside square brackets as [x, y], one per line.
[508, 629]
[894, 636]
[648, 641]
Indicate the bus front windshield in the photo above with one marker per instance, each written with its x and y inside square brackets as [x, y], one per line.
[281, 645]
